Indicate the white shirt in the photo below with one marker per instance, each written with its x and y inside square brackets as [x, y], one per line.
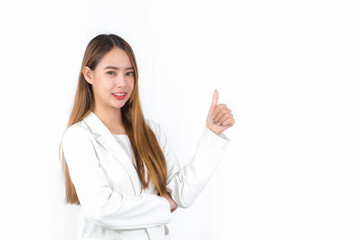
[124, 142]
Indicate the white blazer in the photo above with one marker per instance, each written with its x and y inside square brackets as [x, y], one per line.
[113, 205]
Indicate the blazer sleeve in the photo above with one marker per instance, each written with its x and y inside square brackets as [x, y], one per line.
[100, 203]
[184, 184]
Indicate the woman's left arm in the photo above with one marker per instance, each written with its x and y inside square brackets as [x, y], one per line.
[185, 183]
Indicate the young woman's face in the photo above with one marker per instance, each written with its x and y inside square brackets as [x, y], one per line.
[113, 75]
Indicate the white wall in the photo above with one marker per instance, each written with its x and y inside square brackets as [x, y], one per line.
[288, 70]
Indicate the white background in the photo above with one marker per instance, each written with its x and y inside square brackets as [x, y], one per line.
[288, 70]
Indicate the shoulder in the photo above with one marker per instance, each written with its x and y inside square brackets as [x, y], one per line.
[153, 124]
[75, 133]
[158, 131]
[155, 127]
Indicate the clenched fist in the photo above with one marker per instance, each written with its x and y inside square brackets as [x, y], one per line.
[173, 205]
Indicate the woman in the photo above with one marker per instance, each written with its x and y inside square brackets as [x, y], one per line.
[118, 165]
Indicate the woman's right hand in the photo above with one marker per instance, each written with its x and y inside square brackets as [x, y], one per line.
[173, 205]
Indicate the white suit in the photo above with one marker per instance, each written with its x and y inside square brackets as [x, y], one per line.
[113, 204]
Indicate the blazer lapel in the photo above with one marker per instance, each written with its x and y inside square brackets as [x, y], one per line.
[104, 137]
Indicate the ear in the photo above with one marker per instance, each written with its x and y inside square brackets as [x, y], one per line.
[88, 74]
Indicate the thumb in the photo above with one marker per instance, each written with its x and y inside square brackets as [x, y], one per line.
[214, 101]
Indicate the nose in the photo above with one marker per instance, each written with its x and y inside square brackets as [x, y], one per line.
[120, 82]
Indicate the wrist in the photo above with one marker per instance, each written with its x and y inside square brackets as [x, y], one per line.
[212, 130]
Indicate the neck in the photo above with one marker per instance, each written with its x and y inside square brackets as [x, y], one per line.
[111, 118]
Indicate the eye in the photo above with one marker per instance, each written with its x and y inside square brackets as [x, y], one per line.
[130, 73]
[111, 73]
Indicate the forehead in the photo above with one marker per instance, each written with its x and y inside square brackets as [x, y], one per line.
[116, 57]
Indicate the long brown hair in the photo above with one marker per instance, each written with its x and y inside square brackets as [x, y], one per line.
[147, 150]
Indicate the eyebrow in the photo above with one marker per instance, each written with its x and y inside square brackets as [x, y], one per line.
[116, 68]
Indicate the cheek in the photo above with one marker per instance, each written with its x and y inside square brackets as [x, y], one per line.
[106, 84]
[103, 86]
[131, 84]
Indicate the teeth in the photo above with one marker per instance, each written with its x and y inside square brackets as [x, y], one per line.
[119, 94]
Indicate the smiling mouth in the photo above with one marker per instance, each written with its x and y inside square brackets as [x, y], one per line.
[119, 96]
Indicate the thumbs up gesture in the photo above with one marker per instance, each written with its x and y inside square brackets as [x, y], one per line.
[219, 117]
